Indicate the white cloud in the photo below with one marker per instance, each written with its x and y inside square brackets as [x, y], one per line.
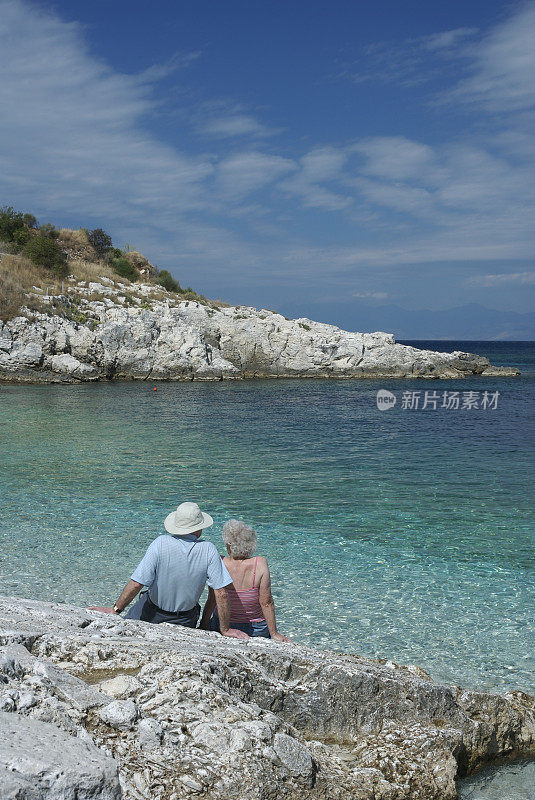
[224, 119]
[317, 167]
[412, 62]
[73, 128]
[314, 196]
[233, 125]
[395, 157]
[471, 184]
[447, 39]
[415, 201]
[244, 173]
[503, 73]
[323, 163]
[522, 278]
[497, 66]
[418, 252]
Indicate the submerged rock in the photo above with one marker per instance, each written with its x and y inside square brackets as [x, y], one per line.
[207, 716]
[171, 340]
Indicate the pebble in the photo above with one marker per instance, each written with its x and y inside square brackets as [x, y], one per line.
[26, 700]
[121, 714]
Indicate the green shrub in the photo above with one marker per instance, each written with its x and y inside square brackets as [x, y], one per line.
[101, 241]
[45, 252]
[21, 236]
[11, 222]
[166, 280]
[124, 268]
[49, 231]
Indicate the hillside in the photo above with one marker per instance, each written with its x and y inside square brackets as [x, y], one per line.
[37, 261]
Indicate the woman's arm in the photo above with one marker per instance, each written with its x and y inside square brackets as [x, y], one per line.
[207, 610]
[268, 605]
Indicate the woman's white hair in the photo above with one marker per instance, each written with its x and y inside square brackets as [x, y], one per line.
[240, 538]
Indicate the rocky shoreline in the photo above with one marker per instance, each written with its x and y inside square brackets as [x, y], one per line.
[92, 706]
[112, 332]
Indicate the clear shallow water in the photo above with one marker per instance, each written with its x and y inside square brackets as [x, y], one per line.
[508, 782]
[398, 534]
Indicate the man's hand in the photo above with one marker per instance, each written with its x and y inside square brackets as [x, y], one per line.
[278, 637]
[234, 633]
[127, 595]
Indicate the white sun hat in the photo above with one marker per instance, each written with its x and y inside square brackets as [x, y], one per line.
[188, 518]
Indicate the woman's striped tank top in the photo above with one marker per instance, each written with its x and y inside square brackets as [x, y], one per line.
[245, 604]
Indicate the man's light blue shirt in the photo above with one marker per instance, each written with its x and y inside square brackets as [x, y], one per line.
[176, 569]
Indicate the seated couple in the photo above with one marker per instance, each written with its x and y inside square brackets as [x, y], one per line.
[176, 568]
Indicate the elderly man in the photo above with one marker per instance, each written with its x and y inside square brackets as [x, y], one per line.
[176, 569]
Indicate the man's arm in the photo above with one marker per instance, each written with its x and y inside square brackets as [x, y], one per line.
[127, 595]
[223, 611]
[207, 610]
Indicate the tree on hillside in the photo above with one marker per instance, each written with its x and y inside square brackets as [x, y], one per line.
[15, 227]
[100, 240]
[11, 222]
[49, 230]
[29, 220]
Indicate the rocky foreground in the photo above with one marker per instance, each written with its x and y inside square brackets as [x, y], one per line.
[114, 332]
[92, 706]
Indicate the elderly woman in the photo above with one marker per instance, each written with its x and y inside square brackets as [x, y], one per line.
[252, 609]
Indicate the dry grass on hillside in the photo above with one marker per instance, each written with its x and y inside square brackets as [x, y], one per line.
[72, 236]
[91, 271]
[18, 276]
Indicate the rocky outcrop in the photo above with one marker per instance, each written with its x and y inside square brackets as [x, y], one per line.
[187, 714]
[121, 335]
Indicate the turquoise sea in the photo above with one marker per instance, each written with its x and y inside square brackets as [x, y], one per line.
[399, 534]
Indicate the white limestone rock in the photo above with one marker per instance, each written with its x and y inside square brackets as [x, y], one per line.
[226, 719]
[293, 755]
[120, 714]
[70, 688]
[191, 341]
[150, 733]
[121, 686]
[66, 364]
[40, 762]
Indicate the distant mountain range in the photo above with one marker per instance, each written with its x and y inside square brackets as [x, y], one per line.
[470, 321]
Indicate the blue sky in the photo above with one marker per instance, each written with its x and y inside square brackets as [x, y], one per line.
[312, 157]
